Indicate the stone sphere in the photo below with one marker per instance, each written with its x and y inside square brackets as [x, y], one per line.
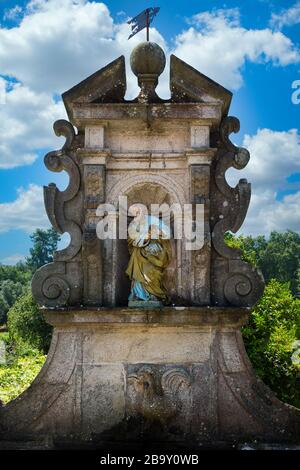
[147, 58]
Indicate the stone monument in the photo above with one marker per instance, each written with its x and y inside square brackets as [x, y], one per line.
[178, 372]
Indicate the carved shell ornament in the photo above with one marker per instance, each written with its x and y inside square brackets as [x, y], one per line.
[158, 396]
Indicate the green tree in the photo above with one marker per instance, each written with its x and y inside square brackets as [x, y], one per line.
[44, 244]
[248, 245]
[9, 292]
[18, 273]
[280, 258]
[270, 338]
[13, 282]
[277, 257]
[27, 327]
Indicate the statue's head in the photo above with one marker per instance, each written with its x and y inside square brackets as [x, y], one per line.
[137, 211]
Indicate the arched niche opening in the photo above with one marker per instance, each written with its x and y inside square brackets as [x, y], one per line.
[146, 193]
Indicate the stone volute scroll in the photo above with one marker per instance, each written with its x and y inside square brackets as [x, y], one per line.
[147, 344]
[59, 283]
[235, 281]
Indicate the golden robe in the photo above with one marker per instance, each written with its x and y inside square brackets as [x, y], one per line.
[147, 264]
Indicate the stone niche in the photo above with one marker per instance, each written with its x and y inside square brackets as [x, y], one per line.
[178, 374]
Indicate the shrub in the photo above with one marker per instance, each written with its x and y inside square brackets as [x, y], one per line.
[9, 292]
[27, 328]
[16, 377]
[270, 339]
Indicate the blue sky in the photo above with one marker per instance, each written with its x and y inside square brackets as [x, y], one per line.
[250, 47]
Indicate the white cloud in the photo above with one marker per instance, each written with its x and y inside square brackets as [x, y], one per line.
[26, 212]
[26, 125]
[12, 259]
[60, 42]
[219, 46]
[57, 43]
[274, 157]
[2, 91]
[13, 13]
[287, 17]
[47, 53]
[267, 214]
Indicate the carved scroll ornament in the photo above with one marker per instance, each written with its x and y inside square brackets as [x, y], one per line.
[237, 283]
[58, 284]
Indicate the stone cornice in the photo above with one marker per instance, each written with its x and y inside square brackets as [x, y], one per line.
[190, 156]
[167, 316]
[205, 113]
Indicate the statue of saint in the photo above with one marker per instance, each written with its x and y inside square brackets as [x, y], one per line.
[150, 253]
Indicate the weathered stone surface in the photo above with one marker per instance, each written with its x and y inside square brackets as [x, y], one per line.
[188, 85]
[200, 136]
[147, 62]
[92, 253]
[234, 282]
[107, 85]
[178, 375]
[147, 58]
[83, 114]
[94, 137]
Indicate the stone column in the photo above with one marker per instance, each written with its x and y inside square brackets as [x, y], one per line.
[94, 176]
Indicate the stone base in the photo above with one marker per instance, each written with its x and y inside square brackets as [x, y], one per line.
[148, 304]
[178, 376]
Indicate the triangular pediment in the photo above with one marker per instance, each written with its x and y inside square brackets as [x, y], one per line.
[189, 85]
[107, 85]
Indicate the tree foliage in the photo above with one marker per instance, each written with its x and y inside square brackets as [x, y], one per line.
[9, 292]
[278, 257]
[18, 273]
[27, 327]
[270, 339]
[44, 244]
[13, 282]
[16, 377]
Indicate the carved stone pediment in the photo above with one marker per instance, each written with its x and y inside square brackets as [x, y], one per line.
[189, 85]
[107, 85]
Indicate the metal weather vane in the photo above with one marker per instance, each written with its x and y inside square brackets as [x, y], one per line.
[143, 20]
